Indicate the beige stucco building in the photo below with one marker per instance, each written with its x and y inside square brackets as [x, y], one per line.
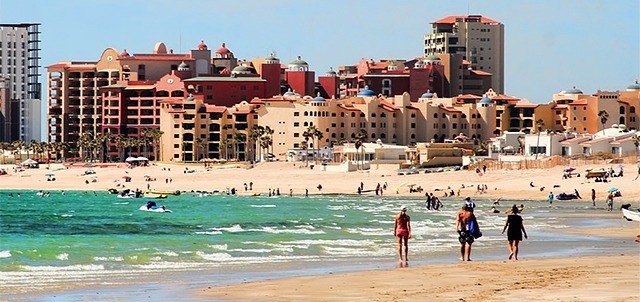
[479, 39]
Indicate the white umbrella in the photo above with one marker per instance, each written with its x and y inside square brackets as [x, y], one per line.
[131, 159]
[29, 162]
[142, 158]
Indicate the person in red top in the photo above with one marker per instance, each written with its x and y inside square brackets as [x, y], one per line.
[402, 231]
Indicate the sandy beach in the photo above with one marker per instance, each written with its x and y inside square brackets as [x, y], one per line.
[510, 184]
[607, 277]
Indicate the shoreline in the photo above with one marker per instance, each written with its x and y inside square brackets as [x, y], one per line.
[238, 284]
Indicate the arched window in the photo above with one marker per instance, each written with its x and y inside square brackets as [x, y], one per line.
[435, 115]
[333, 135]
[622, 120]
[473, 115]
[362, 114]
[353, 114]
[306, 124]
[373, 135]
[373, 114]
[435, 136]
[463, 115]
[383, 136]
[384, 115]
[632, 109]
[622, 110]
[306, 113]
[444, 126]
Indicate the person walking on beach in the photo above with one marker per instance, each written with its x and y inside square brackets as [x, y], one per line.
[465, 218]
[402, 231]
[610, 202]
[550, 198]
[515, 229]
[593, 197]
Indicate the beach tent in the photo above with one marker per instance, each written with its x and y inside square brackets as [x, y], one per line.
[130, 158]
[29, 162]
[49, 175]
[142, 158]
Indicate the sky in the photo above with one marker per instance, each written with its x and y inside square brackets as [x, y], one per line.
[550, 45]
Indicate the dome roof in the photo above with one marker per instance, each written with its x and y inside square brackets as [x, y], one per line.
[299, 61]
[634, 86]
[486, 100]
[573, 90]
[223, 50]
[366, 92]
[433, 57]
[271, 57]
[289, 93]
[202, 46]
[319, 98]
[241, 69]
[331, 72]
[183, 66]
[427, 95]
[124, 53]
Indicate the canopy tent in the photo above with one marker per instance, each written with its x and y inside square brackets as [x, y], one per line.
[29, 162]
[49, 175]
[130, 158]
[142, 158]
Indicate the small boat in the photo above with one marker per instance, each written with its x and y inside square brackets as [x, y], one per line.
[157, 209]
[631, 215]
[113, 191]
[125, 196]
[176, 192]
[154, 195]
[565, 196]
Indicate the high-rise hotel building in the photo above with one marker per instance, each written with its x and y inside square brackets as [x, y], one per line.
[20, 88]
[478, 39]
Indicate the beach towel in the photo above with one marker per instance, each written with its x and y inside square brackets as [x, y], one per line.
[474, 228]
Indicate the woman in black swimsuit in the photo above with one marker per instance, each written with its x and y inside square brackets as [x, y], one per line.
[515, 229]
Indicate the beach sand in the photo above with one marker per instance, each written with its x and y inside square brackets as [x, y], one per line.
[593, 278]
[612, 277]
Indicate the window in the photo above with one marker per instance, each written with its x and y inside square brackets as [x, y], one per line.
[413, 125]
[176, 135]
[296, 134]
[622, 110]
[444, 126]
[296, 124]
[632, 109]
[296, 114]
[435, 115]
[454, 126]
[373, 114]
[435, 126]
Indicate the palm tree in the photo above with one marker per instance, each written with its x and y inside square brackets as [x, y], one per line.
[254, 137]
[308, 134]
[636, 142]
[304, 145]
[240, 140]
[100, 143]
[156, 135]
[200, 145]
[269, 132]
[224, 145]
[17, 147]
[120, 141]
[84, 142]
[604, 116]
[539, 125]
[145, 140]
[360, 138]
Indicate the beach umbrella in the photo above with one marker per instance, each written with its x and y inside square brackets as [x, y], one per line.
[611, 190]
[569, 169]
[29, 162]
[142, 158]
[49, 174]
[130, 158]
[620, 166]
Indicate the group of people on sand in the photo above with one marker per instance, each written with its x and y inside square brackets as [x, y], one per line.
[467, 228]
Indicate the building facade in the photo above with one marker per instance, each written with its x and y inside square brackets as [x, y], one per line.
[478, 39]
[20, 68]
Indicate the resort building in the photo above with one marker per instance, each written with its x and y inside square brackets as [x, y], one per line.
[478, 39]
[20, 80]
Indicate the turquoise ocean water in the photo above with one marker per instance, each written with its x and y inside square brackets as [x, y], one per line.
[94, 236]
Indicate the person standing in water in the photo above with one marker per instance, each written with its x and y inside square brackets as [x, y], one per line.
[515, 229]
[593, 197]
[402, 231]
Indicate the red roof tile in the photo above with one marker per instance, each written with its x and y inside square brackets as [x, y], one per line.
[452, 20]
[159, 57]
[215, 109]
[450, 109]
[468, 96]
[481, 72]
[582, 102]
[504, 97]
